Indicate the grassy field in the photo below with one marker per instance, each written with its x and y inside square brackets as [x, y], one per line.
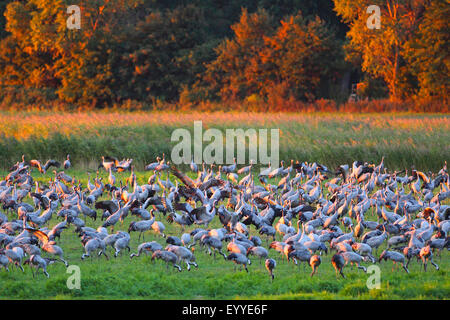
[331, 139]
[122, 278]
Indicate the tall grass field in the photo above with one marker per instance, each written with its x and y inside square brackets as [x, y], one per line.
[405, 140]
[330, 139]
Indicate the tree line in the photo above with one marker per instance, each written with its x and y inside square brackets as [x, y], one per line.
[208, 50]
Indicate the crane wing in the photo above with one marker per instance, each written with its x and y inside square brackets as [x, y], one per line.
[184, 178]
[167, 205]
[212, 183]
[423, 176]
[50, 163]
[39, 234]
[111, 159]
[36, 164]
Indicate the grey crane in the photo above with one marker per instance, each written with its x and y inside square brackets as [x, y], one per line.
[395, 257]
[239, 259]
[92, 244]
[43, 168]
[438, 244]
[181, 219]
[363, 249]
[236, 247]
[193, 165]
[230, 168]
[353, 258]
[114, 218]
[315, 262]
[159, 228]
[174, 241]
[258, 251]
[183, 254]
[426, 254]
[278, 246]
[185, 239]
[39, 263]
[142, 226]
[270, 266]
[301, 255]
[214, 243]
[377, 241]
[4, 261]
[168, 257]
[269, 231]
[49, 246]
[146, 247]
[15, 256]
[85, 210]
[197, 235]
[31, 249]
[152, 166]
[122, 243]
[314, 246]
[256, 241]
[338, 263]
[67, 163]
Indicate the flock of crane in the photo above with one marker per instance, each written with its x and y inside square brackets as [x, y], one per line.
[330, 208]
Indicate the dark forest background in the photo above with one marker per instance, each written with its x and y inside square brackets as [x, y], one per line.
[279, 53]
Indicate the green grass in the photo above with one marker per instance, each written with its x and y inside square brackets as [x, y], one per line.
[120, 278]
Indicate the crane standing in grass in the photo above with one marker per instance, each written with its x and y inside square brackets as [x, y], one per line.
[231, 214]
[49, 246]
[270, 266]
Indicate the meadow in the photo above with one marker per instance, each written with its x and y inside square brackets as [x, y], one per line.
[122, 278]
[332, 139]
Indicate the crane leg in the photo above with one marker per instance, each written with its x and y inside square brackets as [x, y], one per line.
[434, 264]
[404, 267]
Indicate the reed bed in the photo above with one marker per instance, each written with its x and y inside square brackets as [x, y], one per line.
[405, 139]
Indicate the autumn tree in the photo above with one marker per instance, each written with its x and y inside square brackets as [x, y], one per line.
[122, 51]
[380, 51]
[167, 52]
[20, 64]
[77, 63]
[304, 54]
[238, 70]
[428, 52]
[297, 56]
[141, 50]
[3, 4]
